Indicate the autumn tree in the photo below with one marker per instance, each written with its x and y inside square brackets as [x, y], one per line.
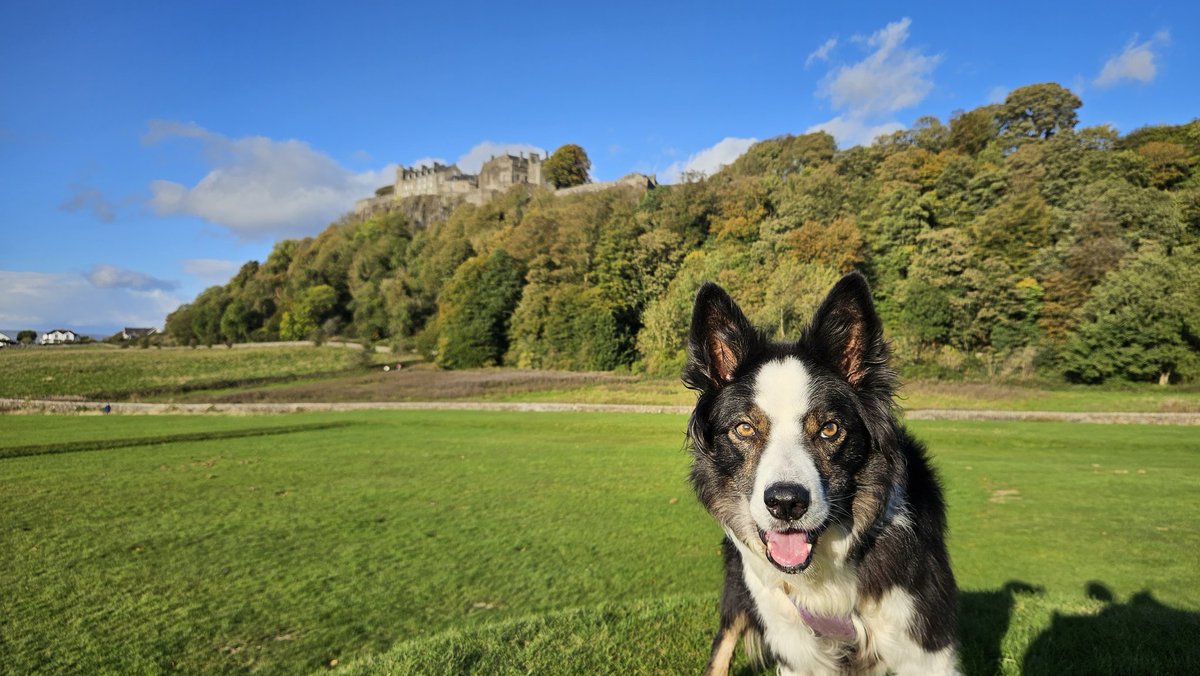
[568, 166]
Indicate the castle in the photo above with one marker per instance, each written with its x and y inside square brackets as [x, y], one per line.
[496, 175]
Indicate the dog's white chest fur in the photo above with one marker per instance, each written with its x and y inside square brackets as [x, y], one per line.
[829, 587]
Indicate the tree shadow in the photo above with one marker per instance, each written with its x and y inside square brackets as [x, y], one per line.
[1142, 636]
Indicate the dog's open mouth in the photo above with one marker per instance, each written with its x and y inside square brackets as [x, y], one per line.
[790, 550]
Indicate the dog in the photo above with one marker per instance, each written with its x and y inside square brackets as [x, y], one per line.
[835, 553]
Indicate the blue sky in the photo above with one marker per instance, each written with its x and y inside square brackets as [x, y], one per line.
[148, 149]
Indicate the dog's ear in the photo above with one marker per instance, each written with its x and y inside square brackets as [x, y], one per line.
[720, 338]
[846, 330]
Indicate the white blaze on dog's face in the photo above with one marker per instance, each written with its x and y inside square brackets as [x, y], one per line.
[782, 392]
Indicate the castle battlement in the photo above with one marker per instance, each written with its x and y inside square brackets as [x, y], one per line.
[496, 175]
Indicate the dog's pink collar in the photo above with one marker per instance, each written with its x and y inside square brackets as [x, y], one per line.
[836, 628]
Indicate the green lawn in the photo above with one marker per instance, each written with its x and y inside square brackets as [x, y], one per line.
[493, 541]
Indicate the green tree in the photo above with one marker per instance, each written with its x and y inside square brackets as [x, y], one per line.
[474, 311]
[26, 336]
[235, 324]
[1038, 111]
[972, 131]
[1142, 323]
[310, 310]
[568, 166]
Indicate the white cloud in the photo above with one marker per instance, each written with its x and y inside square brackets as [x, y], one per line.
[1136, 63]
[44, 301]
[867, 93]
[821, 53]
[852, 131]
[112, 277]
[710, 160]
[258, 187]
[473, 159]
[211, 270]
[891, 78]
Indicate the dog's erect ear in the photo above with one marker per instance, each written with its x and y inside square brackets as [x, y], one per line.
[848, 332]
[720, 338]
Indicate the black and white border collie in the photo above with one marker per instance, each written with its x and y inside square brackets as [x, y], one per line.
[835, 554]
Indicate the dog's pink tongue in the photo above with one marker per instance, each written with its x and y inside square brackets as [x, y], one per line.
[789, 549]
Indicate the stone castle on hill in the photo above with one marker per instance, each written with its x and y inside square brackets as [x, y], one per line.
[497, 175]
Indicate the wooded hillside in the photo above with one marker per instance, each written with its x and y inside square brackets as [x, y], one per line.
[1004, 241]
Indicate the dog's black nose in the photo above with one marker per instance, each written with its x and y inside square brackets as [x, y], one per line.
[786, 501]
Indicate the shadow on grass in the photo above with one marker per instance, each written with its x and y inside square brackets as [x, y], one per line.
[1142, 636]
[983, 623]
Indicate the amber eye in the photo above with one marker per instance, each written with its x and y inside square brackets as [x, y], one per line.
[745, 430]
[830, 430]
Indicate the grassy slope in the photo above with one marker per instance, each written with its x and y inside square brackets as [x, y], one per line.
[105, 372]
[440, 541]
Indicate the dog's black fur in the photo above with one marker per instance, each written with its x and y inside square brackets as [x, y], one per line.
[883, 500]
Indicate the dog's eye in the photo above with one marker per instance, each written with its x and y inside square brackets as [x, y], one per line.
[830, 430]
[745, 430]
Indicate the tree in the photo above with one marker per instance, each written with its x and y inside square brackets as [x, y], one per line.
[474, 311]
[1168, 163]
[1142, 323]
[1038, 111]
[27, 336]
[972, 131]
[309, 311]
[235, 322]
[568, 166]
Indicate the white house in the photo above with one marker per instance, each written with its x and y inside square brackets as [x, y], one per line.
[6, 339]
[58, 336]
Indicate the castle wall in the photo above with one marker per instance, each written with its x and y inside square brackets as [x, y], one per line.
[448, 186]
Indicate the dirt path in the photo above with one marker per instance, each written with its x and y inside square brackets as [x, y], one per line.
[51, 406]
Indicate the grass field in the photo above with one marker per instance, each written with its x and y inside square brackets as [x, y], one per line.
[106, 372]
[402, 542]
[330, 374]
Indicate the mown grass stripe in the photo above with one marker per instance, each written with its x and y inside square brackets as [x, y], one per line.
[108, 444]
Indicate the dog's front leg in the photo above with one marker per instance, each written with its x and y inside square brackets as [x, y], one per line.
[724, 644]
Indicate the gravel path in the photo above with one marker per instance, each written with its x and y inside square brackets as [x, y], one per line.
[56, 406]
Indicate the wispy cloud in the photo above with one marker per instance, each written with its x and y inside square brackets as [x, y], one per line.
[113, 277]
[42, 301]
[710, 160]
[211, 270]
[866, 94]
[1136, 63]
[821, 53]
[257, 186]
[889, 79]
[90, 199]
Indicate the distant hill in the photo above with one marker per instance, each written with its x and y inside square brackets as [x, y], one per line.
[1004, 241]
